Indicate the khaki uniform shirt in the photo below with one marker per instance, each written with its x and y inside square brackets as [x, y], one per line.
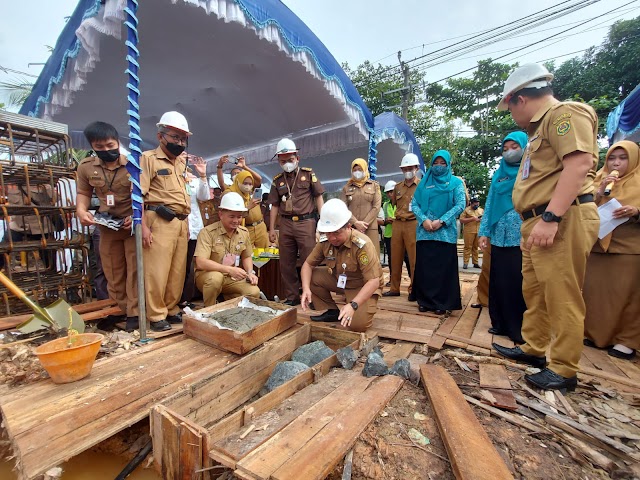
[555, 131]
[162, 181]
[95, 175]
[404, 195]
[302, 190]
[472, 227]
[363, 202]
[214, 242]
[357, 258]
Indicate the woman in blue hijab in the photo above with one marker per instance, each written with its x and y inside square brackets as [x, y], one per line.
[437, 202]
[500, 226]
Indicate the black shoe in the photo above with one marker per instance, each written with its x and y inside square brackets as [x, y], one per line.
[588, 343]
[132, 324]
[439, 312]
[177, 318]
[618, 354]
[388, 284]
[311, 306]
[495, 331]
[109, 322]
[550, 380]
[464, 267]
[391, 294]
[476, 305]
[412, 297]
[475, 265]
[330, 315]
[161, 326]
[292, 303]
[422, 309]
[518, 355]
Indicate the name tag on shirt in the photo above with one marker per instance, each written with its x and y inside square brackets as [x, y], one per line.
[342, 280]
[111, 200]
[409, 207]
[526, 167]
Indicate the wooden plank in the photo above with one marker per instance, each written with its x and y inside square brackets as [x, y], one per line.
[503, 341]
[335, 440]
[170, 448]
[190, 459]
[467, 323]
[471, 453]
[466, 341]
[481, 335]
[395, 352]
[623, 380]
[437, 340]
[271, 455]
[402, 335]
[602, 361]
[494, 378]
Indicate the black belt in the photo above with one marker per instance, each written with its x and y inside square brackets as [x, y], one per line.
[586, 198]
[406, 219]
[255, 224]
[297, 218]
[153, 208]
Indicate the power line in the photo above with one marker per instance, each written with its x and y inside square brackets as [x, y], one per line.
[11, 70]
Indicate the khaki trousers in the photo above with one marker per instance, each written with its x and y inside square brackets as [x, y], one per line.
[118, 256]
[259, 236]
[470, 246]
[483, 281]
[374, 236]
[295, 237]
[212, 284]
[403, 240]
[165, 264]
[552, 280]
[323, 283]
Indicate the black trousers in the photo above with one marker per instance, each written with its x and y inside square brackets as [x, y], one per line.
[506, 303]
[436, 283]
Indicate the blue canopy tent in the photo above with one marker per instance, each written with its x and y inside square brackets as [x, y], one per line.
[623, 122]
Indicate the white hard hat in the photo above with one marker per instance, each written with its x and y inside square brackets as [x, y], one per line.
[333, 216]
[286, 145]
[531, 75]
[232, 201]
[390, 185]
[174, 120]
[410, 160]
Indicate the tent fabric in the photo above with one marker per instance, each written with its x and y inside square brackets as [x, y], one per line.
[388, 125]
[623, 122]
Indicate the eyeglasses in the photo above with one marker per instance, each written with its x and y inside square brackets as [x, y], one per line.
[176, 138]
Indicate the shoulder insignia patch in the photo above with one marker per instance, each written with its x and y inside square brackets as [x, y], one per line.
[323, 237]
[277, 176]
[363, 258]
[562, 117]
[314, 179]
[563, 127]
[360, 242]
[306, 169]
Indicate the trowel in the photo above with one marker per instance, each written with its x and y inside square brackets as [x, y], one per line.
[55, 316]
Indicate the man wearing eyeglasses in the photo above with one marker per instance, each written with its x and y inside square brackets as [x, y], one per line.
[165, 236]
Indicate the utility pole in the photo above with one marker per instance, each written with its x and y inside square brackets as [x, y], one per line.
[406, 89]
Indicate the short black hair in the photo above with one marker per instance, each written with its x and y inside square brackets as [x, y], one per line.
[530, 93]
[100, 131]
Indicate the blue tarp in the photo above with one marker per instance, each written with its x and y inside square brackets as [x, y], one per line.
[624, 121]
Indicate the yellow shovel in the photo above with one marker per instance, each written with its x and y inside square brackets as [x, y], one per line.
[55, 316]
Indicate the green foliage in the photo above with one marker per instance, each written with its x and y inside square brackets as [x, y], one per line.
[18, 90]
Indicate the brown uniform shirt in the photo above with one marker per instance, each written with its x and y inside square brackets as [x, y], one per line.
[357, 257]
[472, 227]
[554, 132]
[104, 179]
[363, 202]
[162, 181]
[302, 190]
[214, 242]
[404, 195]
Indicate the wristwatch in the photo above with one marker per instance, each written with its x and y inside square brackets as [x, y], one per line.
[354, 305]
[550, 217]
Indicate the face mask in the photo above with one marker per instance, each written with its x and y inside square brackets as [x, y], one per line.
[475, 207]
[108, 156]
[358, 175]
[512, 156]
[409, 175]
[246, 188]
[289, 167]
[439, 170]
[175, 149]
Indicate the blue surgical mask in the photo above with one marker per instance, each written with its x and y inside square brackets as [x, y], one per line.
[439, 170]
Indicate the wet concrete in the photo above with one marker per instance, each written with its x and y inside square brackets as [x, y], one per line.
[240, 319]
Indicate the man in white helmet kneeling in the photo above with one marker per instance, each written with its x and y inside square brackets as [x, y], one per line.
[352, 266]
[223, 255]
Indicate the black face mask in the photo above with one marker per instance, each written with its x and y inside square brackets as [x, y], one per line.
[475, 207]
[108, 156]
[175, 149]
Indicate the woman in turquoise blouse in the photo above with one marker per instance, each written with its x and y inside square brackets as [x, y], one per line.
[437, 202]
[500, 226]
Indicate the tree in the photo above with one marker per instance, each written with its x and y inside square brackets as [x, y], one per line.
[18, 90]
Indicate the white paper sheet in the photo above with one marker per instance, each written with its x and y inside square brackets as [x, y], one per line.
[607, 222]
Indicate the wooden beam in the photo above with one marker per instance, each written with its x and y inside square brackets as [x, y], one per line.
[470, 450]
[495, 379]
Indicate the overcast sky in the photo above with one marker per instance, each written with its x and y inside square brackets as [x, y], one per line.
[359, 30]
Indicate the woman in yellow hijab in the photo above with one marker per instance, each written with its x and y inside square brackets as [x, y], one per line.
[613, 268]
[254, 222]
[362, 196]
